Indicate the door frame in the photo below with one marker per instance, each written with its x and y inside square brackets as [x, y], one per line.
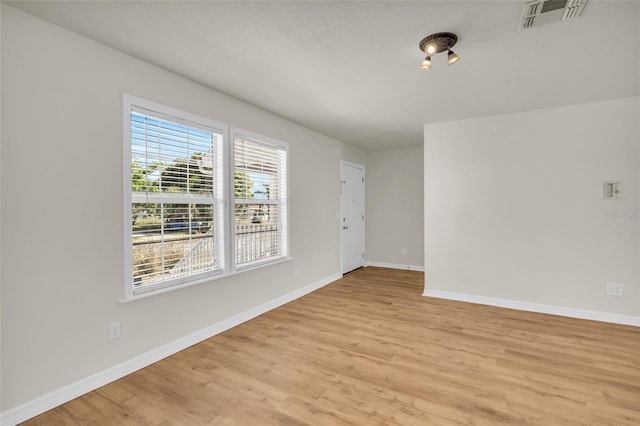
[357, 166]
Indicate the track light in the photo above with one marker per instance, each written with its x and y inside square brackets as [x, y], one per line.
[452, 57]
[436, 43]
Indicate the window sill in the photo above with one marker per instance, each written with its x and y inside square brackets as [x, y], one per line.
[209, 278]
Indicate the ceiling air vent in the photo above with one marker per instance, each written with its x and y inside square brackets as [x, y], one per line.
[539, 12]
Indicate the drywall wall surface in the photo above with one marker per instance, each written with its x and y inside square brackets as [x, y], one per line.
[514, 206]
[395, 207]
[62, 203]
[354, 155]
[0, 222]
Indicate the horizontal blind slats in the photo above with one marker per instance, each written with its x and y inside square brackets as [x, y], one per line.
[176, 187]
[258, 174]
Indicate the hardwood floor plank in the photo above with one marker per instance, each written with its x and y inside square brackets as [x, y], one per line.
[369, 349]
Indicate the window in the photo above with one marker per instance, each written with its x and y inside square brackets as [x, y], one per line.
[260, 192]
[179, 228]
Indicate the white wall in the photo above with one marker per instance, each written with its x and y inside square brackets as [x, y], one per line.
[353, 155]
[62, 243]
[1, 274]
[514, 206]
[395, 208]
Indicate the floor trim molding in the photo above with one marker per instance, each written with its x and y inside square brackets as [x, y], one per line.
[58, 397]
[536, 307]
[395, 266]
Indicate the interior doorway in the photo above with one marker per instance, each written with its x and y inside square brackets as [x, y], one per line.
[351, 216]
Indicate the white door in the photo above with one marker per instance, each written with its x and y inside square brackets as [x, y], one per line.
[352, 217]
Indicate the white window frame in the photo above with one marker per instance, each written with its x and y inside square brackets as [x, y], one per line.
[282, 202]
[227, 229]
[129, 104]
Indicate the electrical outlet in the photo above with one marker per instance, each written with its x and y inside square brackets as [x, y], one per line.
[403, 252]
[615, 289]
[114, 330]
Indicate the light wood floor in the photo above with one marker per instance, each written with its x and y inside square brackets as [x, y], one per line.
[370, 350]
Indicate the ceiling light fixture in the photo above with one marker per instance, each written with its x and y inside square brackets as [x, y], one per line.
[452, 57]
[436, 43]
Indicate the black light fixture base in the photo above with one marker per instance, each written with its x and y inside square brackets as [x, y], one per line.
[443, 41]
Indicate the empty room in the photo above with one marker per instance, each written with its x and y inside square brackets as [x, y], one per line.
[320, 212]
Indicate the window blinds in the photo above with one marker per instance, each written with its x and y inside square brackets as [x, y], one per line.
[176, 185]
[260, 191]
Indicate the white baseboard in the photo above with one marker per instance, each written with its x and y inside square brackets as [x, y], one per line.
[536, 307]
[53, 399]
[395, 266]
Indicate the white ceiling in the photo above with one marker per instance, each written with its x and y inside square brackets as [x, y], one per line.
[350, 70]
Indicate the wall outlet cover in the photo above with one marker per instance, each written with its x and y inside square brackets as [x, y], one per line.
[114, 330]
[615, 289]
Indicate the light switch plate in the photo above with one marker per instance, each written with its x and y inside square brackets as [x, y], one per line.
[612, 190]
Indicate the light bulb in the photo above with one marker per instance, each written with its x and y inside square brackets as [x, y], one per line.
[431, 49]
